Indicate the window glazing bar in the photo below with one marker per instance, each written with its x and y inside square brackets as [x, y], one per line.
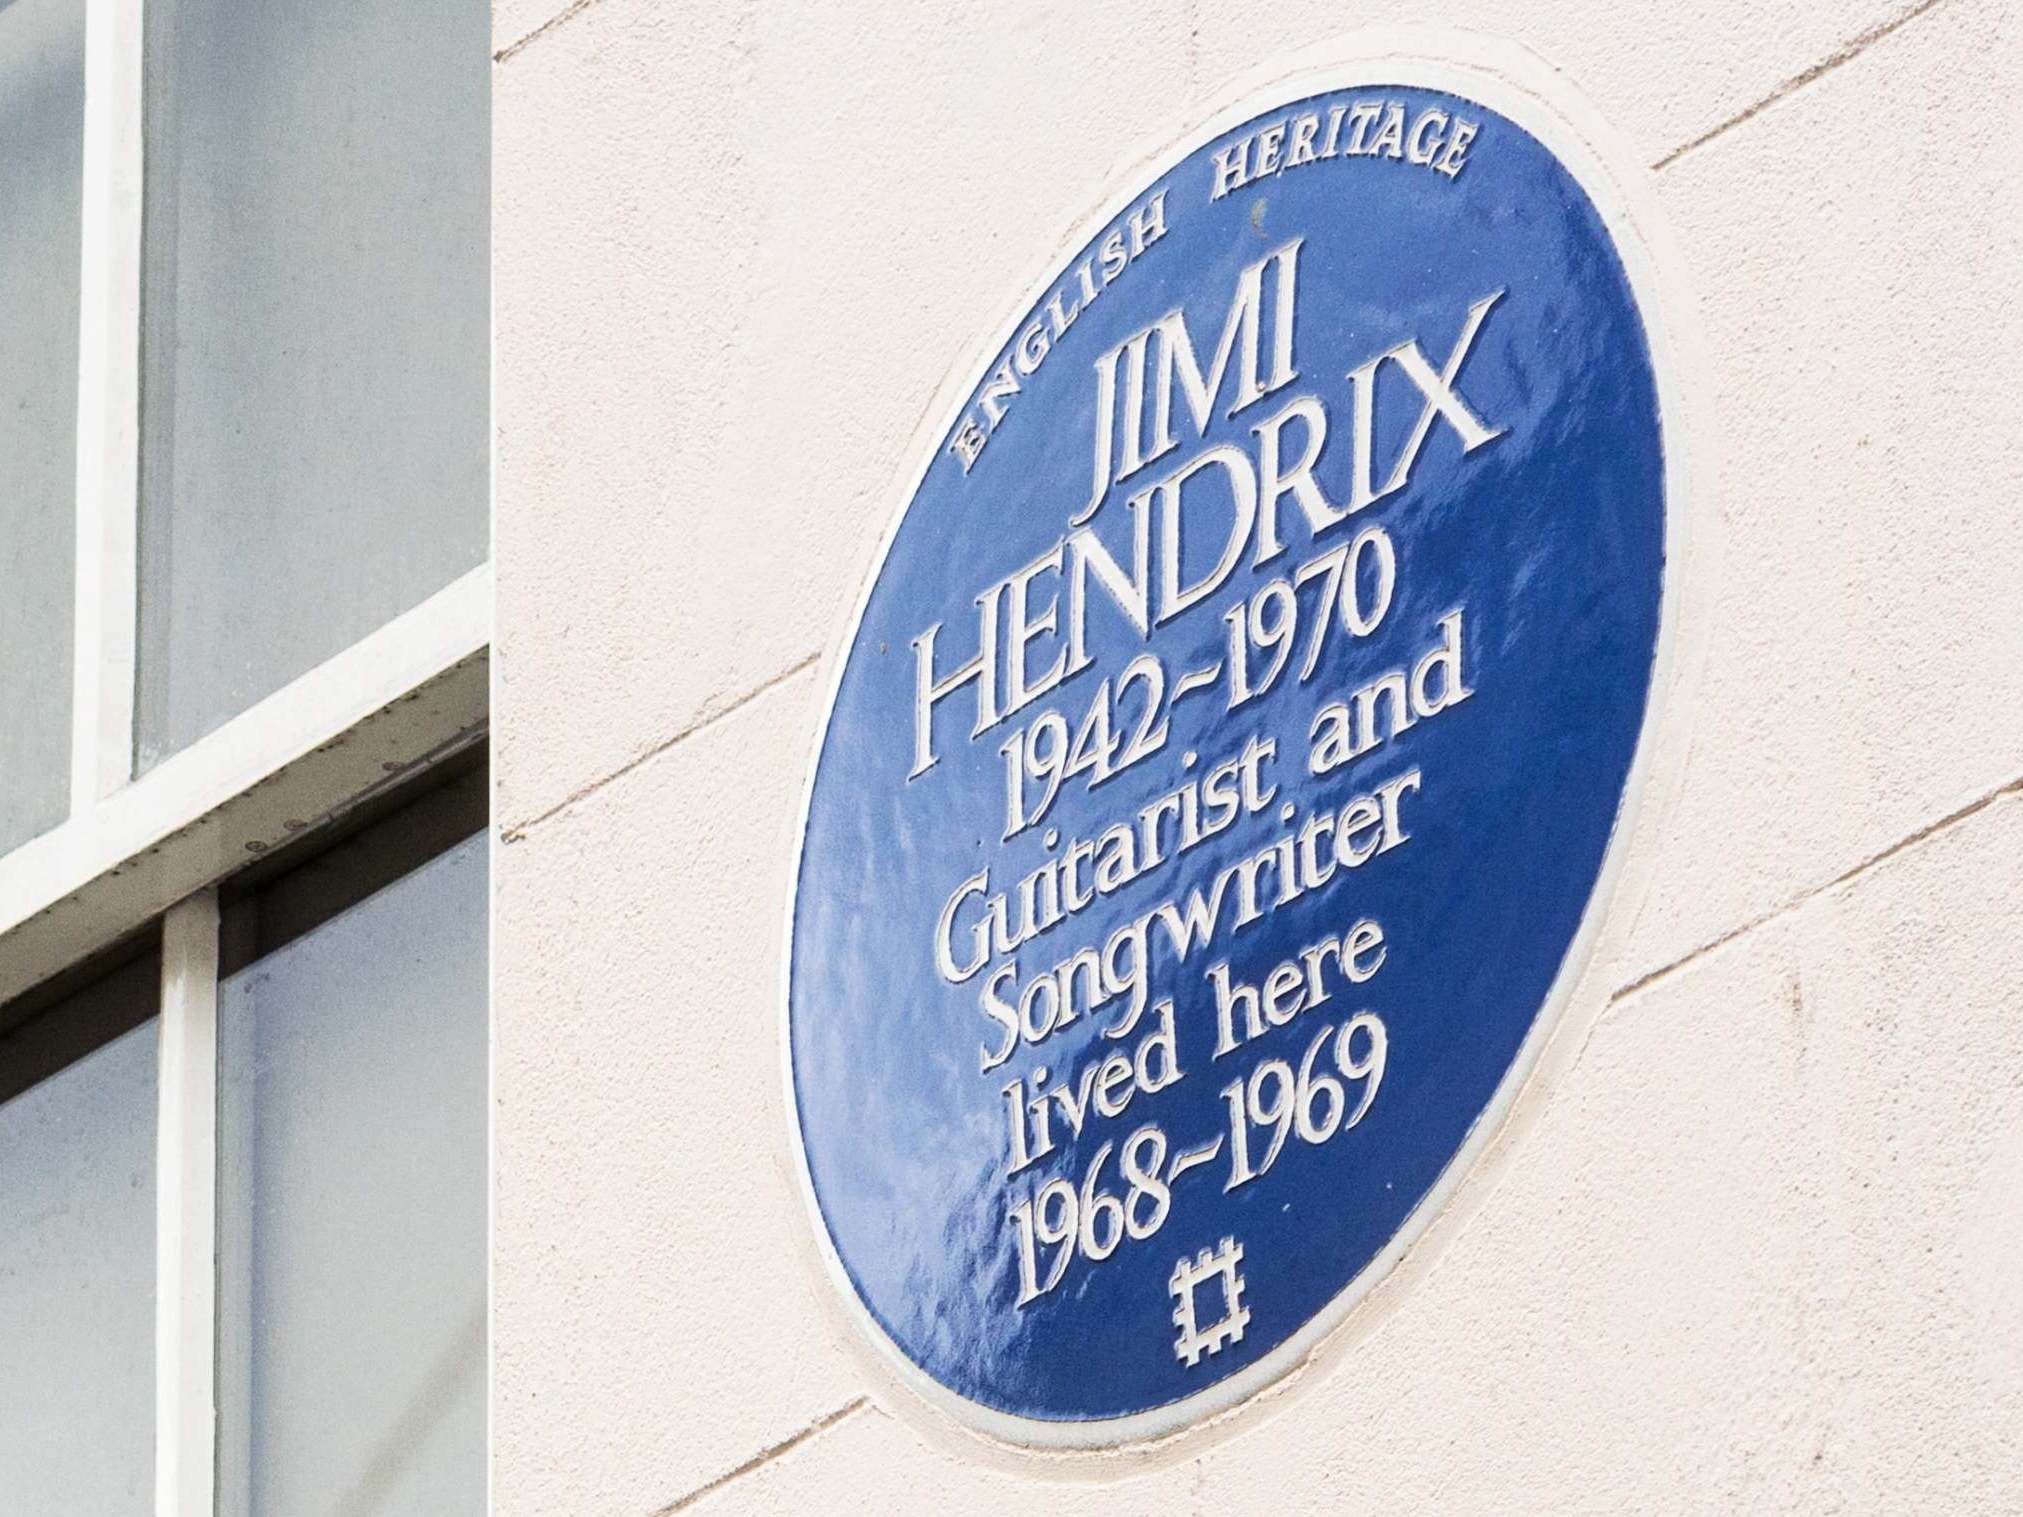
[186, 1189]
[108, 404]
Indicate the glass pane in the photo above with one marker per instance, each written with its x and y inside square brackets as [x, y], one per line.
[351, 1209]
[315, 352]
[41, 167]
[77, 1285]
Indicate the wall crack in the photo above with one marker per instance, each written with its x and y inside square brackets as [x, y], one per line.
[519, 830]
[567, 14]
[1875, 860]
[764, 1457]
[1853, 48]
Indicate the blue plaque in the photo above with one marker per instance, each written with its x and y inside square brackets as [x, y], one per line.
[1225, 760]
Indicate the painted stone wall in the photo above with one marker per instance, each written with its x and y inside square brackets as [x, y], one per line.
[1758, 1246]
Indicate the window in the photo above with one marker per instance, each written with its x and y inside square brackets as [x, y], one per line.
[270, 1134]
[245, 607]
[77, 1251]
[313, 381]
[41, 167]
[244, 451]
[351, 1197]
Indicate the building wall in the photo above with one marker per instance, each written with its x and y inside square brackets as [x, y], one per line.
[1759, 1246]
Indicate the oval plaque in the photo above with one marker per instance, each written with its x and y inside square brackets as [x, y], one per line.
[1224, 763]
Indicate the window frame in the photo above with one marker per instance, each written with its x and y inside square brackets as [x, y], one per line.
[203, 940]
[392, 704]
[376, 723]
[186, 1213]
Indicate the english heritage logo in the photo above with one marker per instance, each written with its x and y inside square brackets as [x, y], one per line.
[1223, 761]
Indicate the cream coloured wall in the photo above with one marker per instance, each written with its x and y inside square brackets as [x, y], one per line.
[1756, 1246]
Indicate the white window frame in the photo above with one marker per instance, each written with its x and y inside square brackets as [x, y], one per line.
[134, 851]
[186, 1214]
[395, 702]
